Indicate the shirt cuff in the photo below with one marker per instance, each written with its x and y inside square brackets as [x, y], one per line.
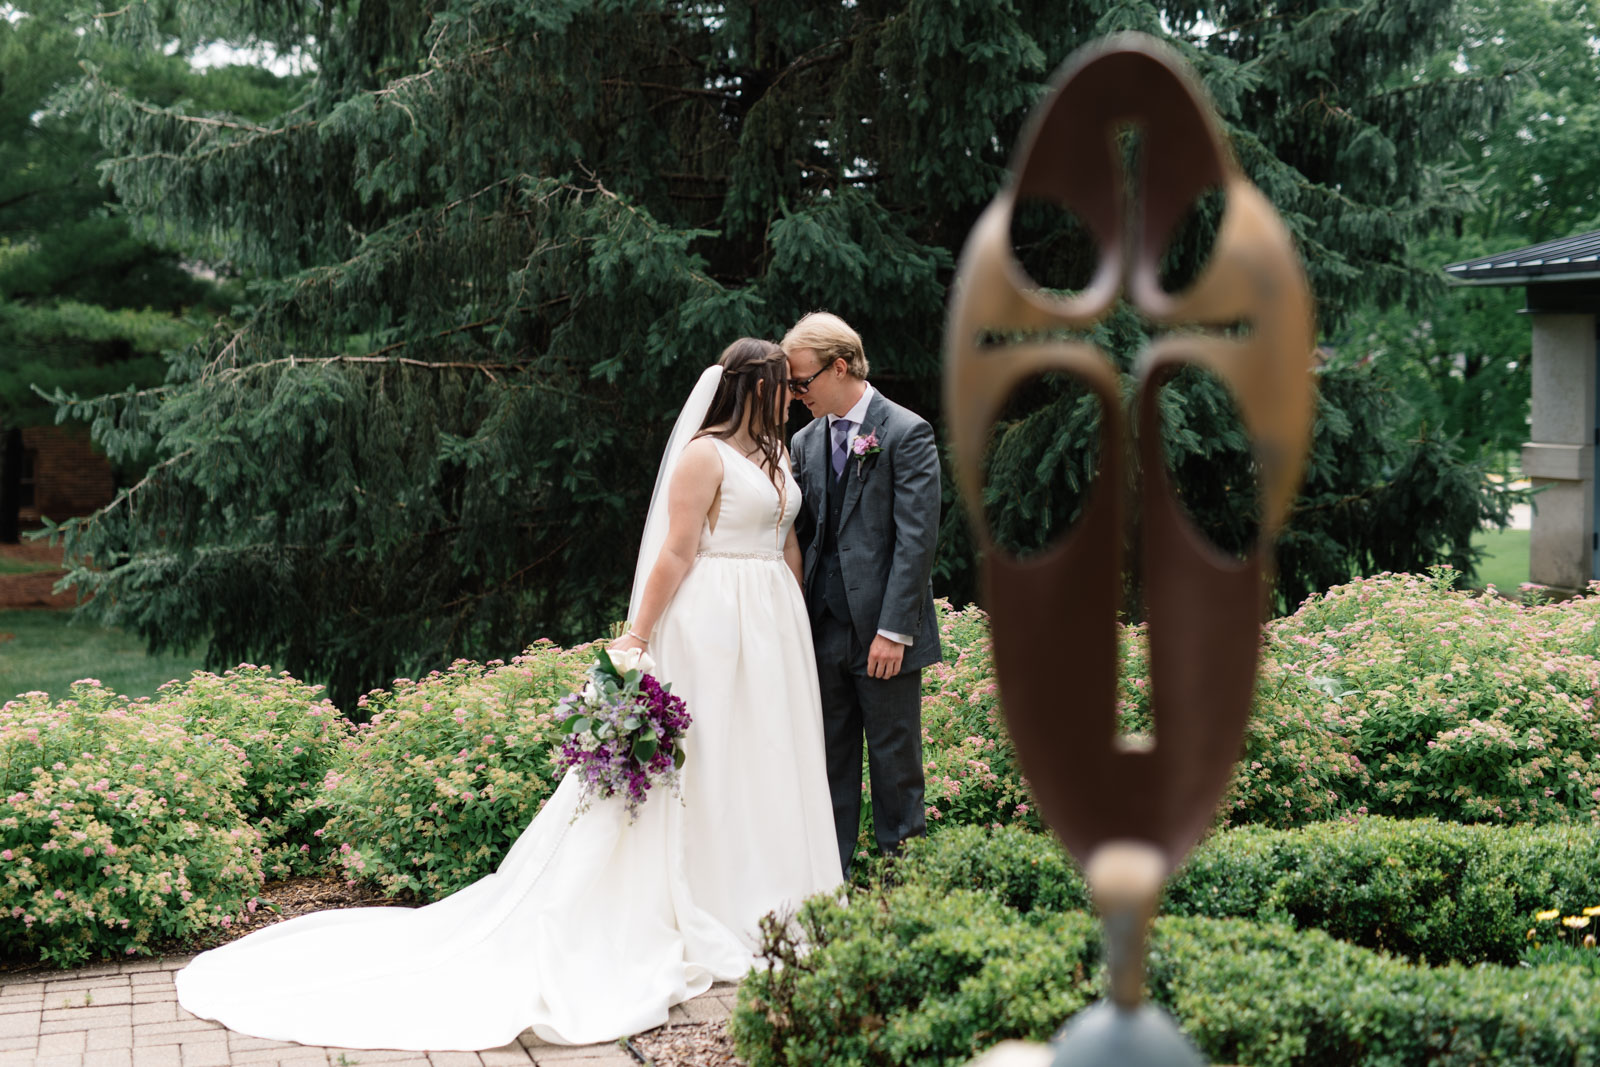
[903, 639]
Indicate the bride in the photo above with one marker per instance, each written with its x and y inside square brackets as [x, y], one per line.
[593, 927]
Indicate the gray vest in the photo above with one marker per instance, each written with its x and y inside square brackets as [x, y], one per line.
[828, 574]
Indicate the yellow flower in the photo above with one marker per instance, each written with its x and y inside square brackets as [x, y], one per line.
[1588, 941]
[1530, 933]
[1592, 911]
[1577, 922]
[1546, 916]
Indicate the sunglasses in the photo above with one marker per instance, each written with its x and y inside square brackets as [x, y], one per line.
[801, 386]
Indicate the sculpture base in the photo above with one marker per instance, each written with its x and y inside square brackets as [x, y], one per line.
[1105, 1035]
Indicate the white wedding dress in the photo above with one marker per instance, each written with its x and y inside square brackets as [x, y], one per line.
[592, 928]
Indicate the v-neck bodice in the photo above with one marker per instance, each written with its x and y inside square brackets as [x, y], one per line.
[755, 515]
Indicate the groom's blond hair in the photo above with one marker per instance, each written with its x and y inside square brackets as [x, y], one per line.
[831, 338]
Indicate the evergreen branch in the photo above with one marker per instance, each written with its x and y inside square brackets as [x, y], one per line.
[1301, 507]
[261, 132]
[139, 394]
[508, 579]
[376, 354]
[645, 219]
[819, 54]
[681, 90]
[1329, 110]
[680, 195]
[501, 45]
[374, 357]
[199, 120]
[126, 496]
[233, 342]
[1246, 24]
[471, 196]
[1452, 83]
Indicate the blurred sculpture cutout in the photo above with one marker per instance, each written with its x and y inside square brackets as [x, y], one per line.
[1129, 815]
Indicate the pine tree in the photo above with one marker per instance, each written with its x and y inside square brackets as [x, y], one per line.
[85, 304]
[497, 239]
[1461, 358]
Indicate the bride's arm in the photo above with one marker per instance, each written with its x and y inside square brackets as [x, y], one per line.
[791, 556]
[689, 497]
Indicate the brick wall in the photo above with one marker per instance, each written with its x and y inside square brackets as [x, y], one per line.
[70, 477]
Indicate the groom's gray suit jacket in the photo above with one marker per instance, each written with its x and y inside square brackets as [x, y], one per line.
[888, 525]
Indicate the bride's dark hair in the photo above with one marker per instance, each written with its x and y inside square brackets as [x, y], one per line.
[753, 376]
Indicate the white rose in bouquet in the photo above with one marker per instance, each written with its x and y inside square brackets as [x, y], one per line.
[633, 659]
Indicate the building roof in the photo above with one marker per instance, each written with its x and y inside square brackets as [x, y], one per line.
[1567, 260]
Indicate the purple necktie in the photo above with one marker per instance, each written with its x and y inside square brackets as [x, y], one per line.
[841, 444]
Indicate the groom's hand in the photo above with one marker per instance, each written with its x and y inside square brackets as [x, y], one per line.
[883, 658]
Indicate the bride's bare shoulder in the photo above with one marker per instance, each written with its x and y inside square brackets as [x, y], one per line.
[705, 447]
[700, 459]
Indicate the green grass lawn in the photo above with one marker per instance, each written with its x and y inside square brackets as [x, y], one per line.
[25, 566]
[46, 650]
[1505, 559]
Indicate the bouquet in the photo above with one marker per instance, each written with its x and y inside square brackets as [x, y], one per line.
[623, 730]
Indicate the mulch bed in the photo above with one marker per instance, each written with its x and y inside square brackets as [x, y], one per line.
[686, 1045]
[277, 901]
[290, 897]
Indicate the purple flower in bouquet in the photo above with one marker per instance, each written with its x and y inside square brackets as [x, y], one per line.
[624, 731]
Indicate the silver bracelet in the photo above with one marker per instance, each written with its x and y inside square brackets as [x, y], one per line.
[636, 637]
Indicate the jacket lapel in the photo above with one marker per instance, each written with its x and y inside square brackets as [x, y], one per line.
[817, 466]
[876, 411]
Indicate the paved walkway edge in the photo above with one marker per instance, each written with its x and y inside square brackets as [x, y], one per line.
[127, 1015]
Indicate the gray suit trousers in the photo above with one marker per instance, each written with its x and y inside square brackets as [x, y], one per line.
[888, 712]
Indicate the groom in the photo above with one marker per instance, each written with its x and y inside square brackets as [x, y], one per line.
[869, 477]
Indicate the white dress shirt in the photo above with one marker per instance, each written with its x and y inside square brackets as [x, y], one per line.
[858, 416]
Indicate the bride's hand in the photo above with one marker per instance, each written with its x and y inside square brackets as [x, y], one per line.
[627, 642]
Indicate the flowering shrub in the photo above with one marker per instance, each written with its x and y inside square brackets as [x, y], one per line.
[290, 738]
[970, 767]
[1296, 769]
[1297, 765]
[117, 828]
[449, 771]
[1458, 706]
[1392, 695]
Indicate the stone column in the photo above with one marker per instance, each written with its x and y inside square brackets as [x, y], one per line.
[1560, 458]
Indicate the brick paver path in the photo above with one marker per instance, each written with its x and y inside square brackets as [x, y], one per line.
[127, 1015]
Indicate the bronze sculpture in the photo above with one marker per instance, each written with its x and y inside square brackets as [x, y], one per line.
[1129, 816]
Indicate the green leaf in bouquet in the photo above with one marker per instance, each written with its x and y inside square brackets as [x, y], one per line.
[631, 679]
[678, 757]
[603, 661]
[631, 722]
[577, 724]
[644, 748]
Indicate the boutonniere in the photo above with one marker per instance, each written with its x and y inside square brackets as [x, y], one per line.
[863, 447]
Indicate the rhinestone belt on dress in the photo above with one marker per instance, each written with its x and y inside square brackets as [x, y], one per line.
[739, 555]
